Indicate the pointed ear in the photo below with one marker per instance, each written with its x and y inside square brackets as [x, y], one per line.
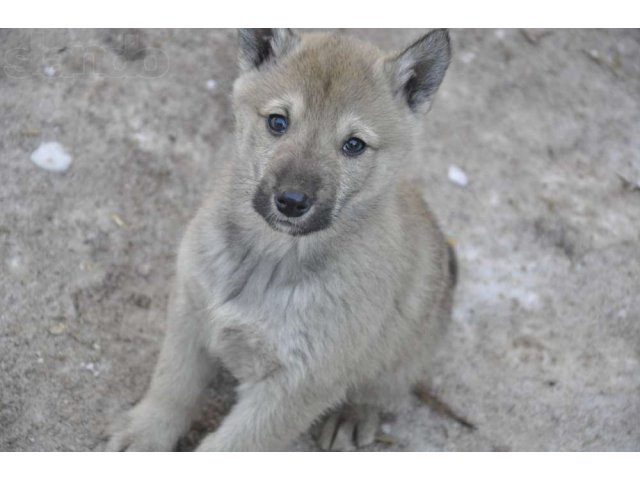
[262, 45]
[417, 72]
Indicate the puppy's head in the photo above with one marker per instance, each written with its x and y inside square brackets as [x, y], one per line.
[324, 122]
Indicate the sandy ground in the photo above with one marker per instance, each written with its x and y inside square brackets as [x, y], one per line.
[544, 350]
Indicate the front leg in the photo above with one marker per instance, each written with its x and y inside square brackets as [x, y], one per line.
[271, 413]
[181, 374]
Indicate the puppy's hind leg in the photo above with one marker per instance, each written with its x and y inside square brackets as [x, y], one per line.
[355, 424]
[349, 427]
[181, 374]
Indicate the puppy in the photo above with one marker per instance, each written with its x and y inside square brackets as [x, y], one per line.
[314, 272]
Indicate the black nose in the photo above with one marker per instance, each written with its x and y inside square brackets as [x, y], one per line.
[292, 204]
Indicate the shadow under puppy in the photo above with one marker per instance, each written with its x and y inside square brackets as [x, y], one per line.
[314, 272]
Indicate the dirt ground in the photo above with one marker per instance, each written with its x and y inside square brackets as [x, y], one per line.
[544, 350]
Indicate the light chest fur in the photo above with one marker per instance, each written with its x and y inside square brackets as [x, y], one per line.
[292, 303]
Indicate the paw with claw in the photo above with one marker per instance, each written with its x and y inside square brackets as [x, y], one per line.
[349, 428]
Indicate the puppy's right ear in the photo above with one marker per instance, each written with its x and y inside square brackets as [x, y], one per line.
[259, 46]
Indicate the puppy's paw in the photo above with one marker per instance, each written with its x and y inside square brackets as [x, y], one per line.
[143, 429]
[349, 428]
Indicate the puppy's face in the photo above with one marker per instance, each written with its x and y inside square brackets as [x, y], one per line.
[323, 123]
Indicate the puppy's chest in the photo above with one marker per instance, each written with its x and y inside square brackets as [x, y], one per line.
[267, 316]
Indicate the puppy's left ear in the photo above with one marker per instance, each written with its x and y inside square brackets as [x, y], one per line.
[417, 72]
[260, 46]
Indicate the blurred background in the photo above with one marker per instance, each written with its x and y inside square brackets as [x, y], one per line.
[531, 162]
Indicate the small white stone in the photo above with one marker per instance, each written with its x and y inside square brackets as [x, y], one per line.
[51, 156]
[92, 368]
[500, 33]
[144, 140]
[467, 57]
[456, 175]
[49, 71]
[211, 84]
[18, 265]
[14, 262]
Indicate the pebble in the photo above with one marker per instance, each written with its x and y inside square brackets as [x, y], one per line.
[211, 84]
[141, 300]
[117, 219]
[144, 269]
[467, 57]
[92, 368]
[500, 34]
[51, 156]
[457, 176]
[17, 266]
[49, 71]
[58, 329]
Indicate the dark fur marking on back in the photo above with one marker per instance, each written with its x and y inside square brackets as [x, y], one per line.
[453, 265]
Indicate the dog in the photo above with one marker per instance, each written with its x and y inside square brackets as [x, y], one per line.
[314, 271]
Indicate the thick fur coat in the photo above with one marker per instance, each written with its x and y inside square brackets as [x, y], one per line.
[331, 314]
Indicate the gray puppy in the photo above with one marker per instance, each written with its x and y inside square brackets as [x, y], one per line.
[314, 272]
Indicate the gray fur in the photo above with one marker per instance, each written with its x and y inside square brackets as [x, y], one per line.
[335, 313]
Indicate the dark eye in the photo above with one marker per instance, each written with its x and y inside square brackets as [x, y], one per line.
[277, 123]
[354, 146]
